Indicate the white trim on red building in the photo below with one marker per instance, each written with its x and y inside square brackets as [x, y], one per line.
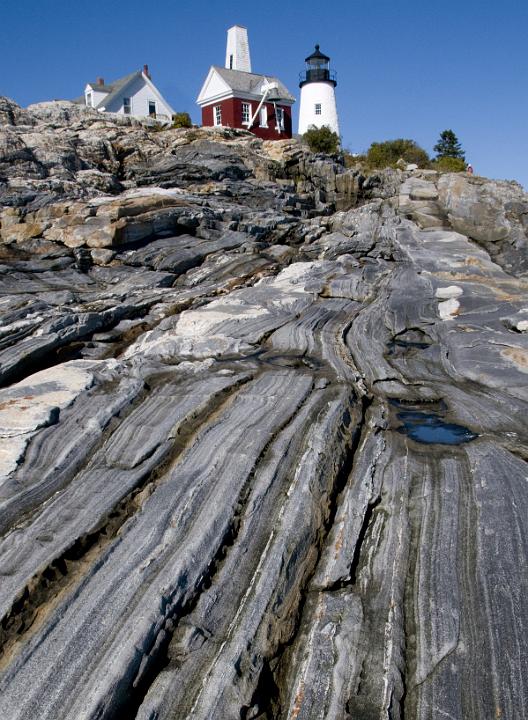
[245, 100]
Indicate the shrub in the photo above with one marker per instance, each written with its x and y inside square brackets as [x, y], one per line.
[387, 154]
[449, 164]
[321, 140]
[353, 160]
[181, 120]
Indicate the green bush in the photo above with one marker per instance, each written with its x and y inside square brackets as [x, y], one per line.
[321, 140]
[353, 160]
[387, 154]
[181, 120]
[449, 164]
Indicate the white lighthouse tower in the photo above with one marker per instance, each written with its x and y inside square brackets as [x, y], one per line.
[318, 102]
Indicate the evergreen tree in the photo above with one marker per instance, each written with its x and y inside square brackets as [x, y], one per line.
[449, 146]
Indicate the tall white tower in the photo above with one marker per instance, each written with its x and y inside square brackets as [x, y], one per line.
[318, 102]
[237, 49]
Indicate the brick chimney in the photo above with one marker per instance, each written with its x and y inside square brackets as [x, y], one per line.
[146, 71]
[100, 81]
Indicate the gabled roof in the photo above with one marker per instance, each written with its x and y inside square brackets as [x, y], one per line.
[250, 83]
[115, 88]
[100, 88]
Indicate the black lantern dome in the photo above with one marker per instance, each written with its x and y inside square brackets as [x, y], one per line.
[317, 57]
[317, 69]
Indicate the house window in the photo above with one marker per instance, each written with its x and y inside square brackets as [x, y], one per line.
[126, 106]
[317, 108]
[152, 108]
[217, 114]
[279, 115]
[89, 99]
[264, 117]
[246, 113]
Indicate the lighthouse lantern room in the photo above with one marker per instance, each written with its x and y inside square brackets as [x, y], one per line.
[318, 103]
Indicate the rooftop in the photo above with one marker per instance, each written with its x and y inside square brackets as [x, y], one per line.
[111, 89]
[251, 82]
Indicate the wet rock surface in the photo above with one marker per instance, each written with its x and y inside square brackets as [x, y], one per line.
[263, 439]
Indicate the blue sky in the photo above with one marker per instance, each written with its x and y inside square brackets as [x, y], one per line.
[405, 69]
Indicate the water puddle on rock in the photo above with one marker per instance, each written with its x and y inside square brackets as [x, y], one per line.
[429, 426]
[399, 347]
[407, 341]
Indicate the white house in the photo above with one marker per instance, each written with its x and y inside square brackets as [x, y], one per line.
[134, 95]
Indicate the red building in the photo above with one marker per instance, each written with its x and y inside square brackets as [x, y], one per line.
[233, 96]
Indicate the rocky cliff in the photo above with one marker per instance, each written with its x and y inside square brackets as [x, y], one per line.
[263, 430]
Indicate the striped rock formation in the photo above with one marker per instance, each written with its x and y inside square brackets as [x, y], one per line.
[263, 439]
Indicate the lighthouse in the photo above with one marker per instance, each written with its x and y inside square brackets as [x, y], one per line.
[318, 102]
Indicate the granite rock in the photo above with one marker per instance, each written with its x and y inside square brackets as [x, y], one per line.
[263, 438]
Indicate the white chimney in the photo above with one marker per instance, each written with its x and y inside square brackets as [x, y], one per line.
[237, 50]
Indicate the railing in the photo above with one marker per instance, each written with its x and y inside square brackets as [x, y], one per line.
[317, 75]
